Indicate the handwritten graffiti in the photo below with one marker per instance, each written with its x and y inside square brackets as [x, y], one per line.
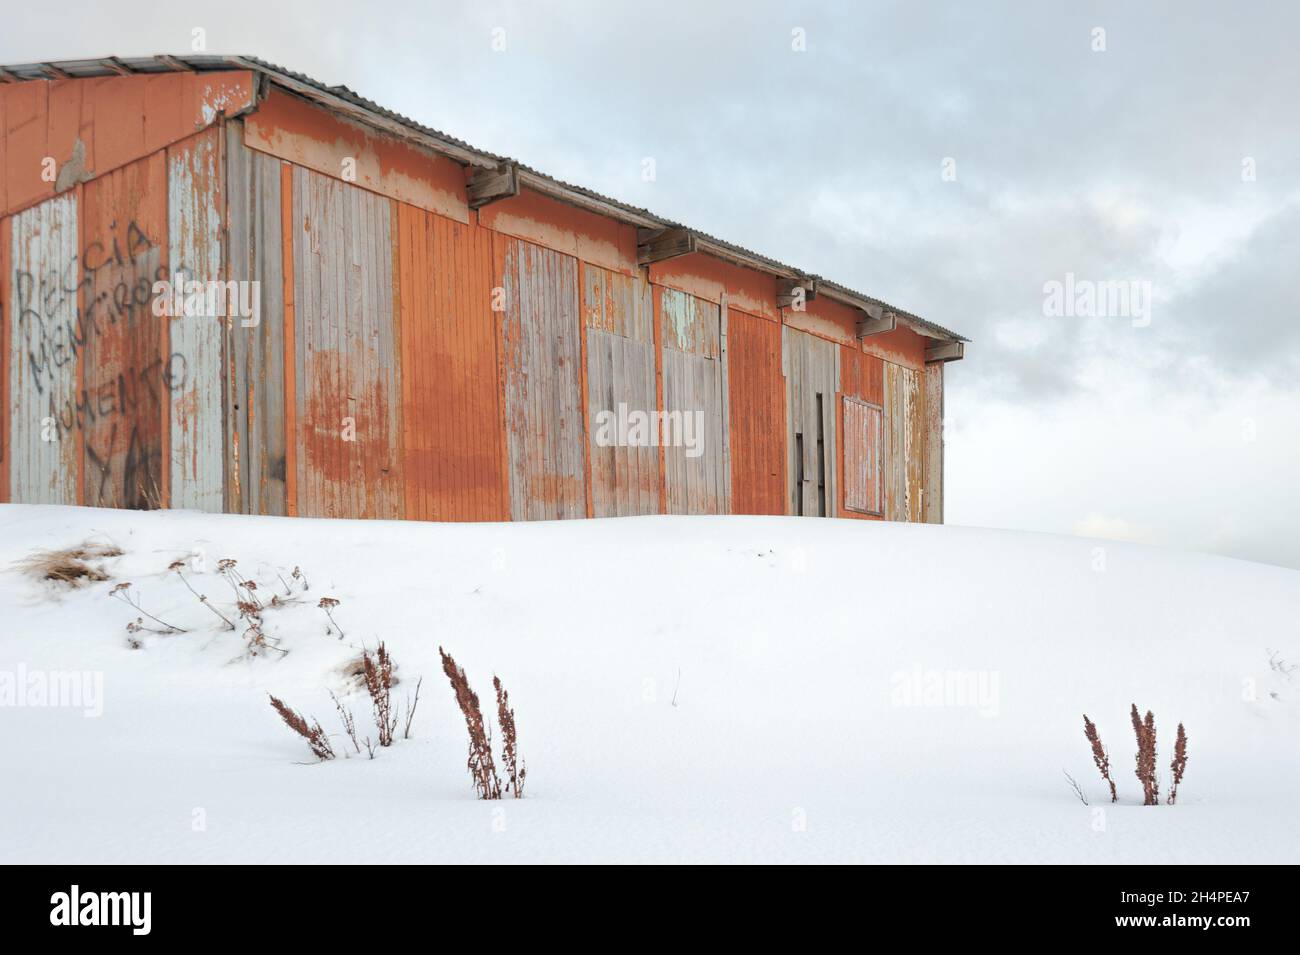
[95, 313]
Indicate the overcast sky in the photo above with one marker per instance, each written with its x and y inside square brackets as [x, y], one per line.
[951, 158]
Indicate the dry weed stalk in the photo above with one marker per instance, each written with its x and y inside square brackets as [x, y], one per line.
[1076, 788]
[1099, 755]
[121, 592]
[312, 733]
[379, 684]
[349, 722]
[481, 768]
[178, 566]
[299, 576]
[327, 604]
[515, 770]
[410, 709]
[1179, 764]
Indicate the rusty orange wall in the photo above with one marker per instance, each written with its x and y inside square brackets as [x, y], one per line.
[126, 373]
[584, 235]
[838, 322]
[450, 395]
[462, 412]
[117, 120]
[292, 129]
[757, 404]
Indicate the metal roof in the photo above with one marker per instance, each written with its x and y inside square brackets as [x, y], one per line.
[340, 97]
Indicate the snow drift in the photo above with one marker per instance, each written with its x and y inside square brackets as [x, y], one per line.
[686, 689]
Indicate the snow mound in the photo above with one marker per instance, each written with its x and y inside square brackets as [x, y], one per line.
[686, 689]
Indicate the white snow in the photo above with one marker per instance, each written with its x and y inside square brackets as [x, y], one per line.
[796, 641]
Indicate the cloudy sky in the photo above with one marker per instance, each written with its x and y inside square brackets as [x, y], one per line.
[951, 158]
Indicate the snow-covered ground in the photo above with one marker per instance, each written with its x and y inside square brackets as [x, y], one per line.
[818, 669]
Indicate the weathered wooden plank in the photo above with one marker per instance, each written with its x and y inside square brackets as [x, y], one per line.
[346, 364]
[621, 402]
[43, 335]
[543, 399]
[194, 227]
[254, 377]
[811, 366]
[904, 444]
[934, 443]
[695, 461]
[863, 434]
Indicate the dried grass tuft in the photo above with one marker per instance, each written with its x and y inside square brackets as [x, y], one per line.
[70, 565]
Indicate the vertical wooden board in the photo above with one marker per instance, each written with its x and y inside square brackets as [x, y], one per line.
[757, 435]
[194, 227]
[934, 443]
[346, 364]
[253, 378]
[903, 445]
[862, 432]
[6, 351]
[543, 401]
[695, 462]
[451, 400]
[620, 394]
[127, 373]
[811, 366]
[43, 331]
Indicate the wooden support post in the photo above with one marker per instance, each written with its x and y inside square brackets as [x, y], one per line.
[944, 351]
[655, 245]
[490, 185]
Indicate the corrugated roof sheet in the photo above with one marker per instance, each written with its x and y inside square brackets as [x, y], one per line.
[459, 149]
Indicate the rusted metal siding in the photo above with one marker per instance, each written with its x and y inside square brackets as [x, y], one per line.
[253, 377]
[194, 228]
[44, 275]
[543, 396]
[694, 396]
[450, 395]
[812, 383]
[346, 364]
[904, 444]
[127, 373]
[934, 443]
[757, 419]
[861, 379]
[619, 317]
[92, 126]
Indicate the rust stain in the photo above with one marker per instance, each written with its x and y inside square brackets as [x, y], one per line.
[116, 120]
[756, 389]
[708, 278]
[305, 134]
[556, 225]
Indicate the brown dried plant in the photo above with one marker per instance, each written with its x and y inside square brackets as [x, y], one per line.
[349, 722]
[1099, 755]
[1145, 731]
[178, 566]
[515, 770]
[379, 684]
[312, 733]
[122, 593]
[1178, 765]
[327, 604]
[482, 770]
